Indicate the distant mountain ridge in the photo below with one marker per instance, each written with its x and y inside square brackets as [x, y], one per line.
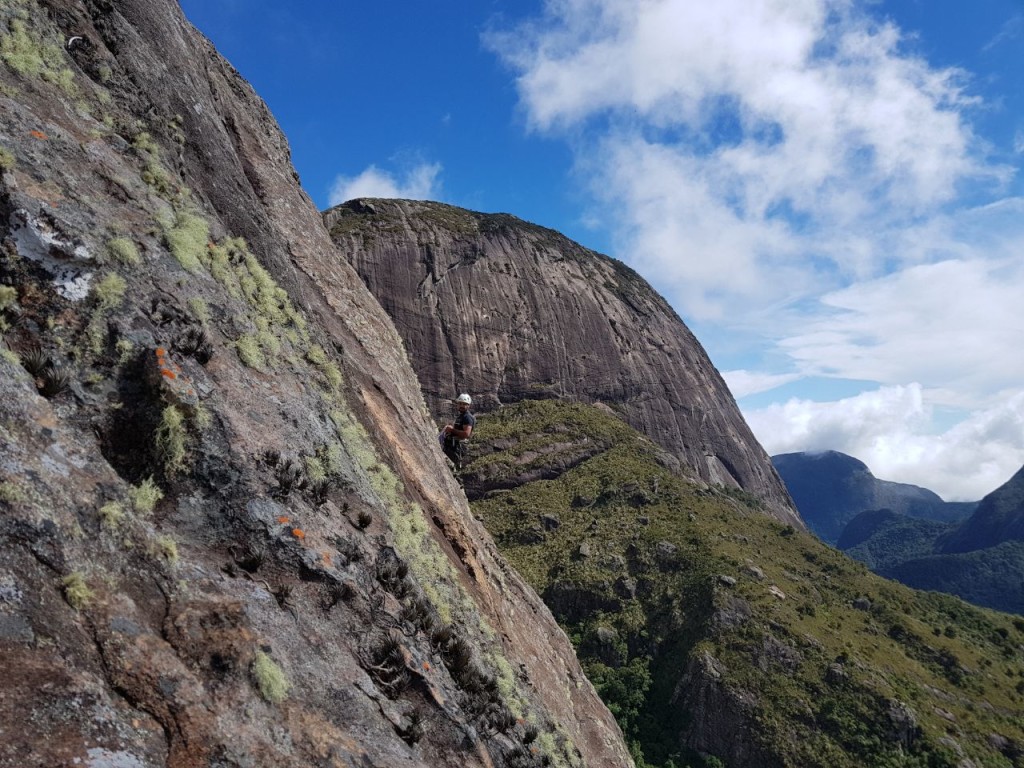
[980, 559]
[831, 488]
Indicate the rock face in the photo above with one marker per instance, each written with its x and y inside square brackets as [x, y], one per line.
[227, 534]
[506, 310]
[831, 488]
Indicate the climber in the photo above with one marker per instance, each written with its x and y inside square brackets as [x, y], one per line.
[456, 435]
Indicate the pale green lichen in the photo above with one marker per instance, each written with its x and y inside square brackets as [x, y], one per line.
[76, 591]
[8, 297]
[186, 236]
[166, 548]
[250, 351]
[12, 493]
[111, 514]
[108, 293]
[315, 470]
[6, 160]
[123, 250]
[200, 309]
[270, 679]
[171, 438]
[29, 52]
[144, 496]
[125, 349]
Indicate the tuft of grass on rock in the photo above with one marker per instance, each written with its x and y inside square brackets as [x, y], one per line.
[250, 352]
[29, 52]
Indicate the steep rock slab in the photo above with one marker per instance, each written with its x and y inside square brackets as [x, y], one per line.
[227, 535]
[507, 310]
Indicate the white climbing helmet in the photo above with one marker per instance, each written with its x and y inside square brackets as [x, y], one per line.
[464, 398]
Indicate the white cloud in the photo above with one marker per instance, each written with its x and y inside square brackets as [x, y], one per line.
[419, 183]
[747, 152]
[743, 383]
[955, 326]
[892, 430]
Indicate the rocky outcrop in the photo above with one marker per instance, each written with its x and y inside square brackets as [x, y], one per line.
[507, 310]
[227, 534]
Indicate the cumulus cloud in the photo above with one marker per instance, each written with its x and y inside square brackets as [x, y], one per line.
[956, 326]
[418, 183]
[892, 431]
[745, 146]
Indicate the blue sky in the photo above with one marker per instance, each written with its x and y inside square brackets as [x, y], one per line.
[829, 192]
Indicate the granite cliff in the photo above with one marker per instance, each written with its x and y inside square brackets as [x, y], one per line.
[510, 311]
[227, 534]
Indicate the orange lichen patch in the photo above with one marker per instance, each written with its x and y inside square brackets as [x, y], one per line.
[298, 533]
[176, 385]
[282, 519]
[326, 557]
[426, 666]
[38, 135]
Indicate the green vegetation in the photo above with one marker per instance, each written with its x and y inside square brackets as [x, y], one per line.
[8, 297]
[270, 680]
[76, 591]
[166, 548]
[250, 352]
[171, 438]
[6, 160]
[144, 497]
[108, 293]
[30, 51]
[124, 251]
[649, 573]
[112, 514]
[200, 309]
[12, 493]
[186, 236]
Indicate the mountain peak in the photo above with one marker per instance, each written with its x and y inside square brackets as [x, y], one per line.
[510, 311]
